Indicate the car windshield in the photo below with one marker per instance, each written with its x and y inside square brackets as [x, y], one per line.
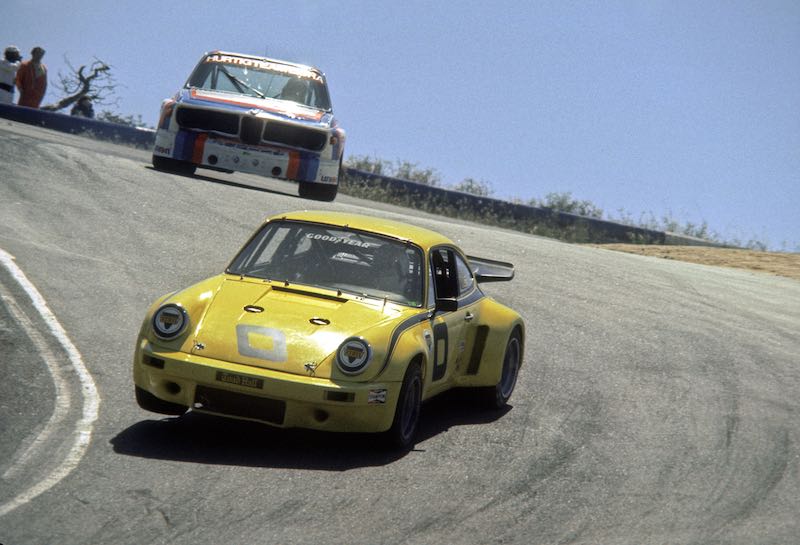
[336, 258]
[262, 79]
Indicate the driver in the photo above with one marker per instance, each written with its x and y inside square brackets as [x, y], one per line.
[294, 90]
[393, 263]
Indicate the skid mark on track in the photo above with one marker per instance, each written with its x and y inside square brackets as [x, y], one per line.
[91, 400]
[750, 482]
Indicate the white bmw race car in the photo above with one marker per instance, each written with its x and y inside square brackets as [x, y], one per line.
[253, 114]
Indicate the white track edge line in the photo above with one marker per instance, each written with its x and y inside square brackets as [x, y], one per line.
[91, 398]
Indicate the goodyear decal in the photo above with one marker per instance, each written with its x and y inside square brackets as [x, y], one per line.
[339, 240]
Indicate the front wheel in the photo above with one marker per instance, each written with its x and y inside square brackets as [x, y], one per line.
[317, 191]
[168, 164]
[406, 416]
[497, 396]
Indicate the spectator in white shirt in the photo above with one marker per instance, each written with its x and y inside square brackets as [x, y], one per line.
[8, 74]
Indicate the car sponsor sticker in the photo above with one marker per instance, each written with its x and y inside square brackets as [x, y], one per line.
[240, 380]
[428, 339]
[376, 396]
[340, 240]
[266, 65]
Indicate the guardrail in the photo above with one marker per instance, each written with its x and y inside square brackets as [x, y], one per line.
[518, 215]
[599, 230]
[140, 137]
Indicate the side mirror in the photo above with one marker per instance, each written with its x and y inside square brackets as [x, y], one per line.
[447, 305]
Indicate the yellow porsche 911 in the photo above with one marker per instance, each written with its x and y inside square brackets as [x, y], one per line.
[335, 322]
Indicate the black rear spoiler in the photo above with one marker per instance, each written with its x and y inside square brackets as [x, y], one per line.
[488, 270]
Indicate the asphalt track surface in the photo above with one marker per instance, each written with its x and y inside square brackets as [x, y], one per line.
[658, 401]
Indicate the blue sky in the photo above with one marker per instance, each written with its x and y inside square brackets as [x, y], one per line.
[690, 109]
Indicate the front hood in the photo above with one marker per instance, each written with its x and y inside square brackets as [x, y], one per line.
[286, 329]
[269, 107]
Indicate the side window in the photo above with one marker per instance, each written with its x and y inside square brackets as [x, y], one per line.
[201, 77]
[431, 287]
[465, 280]
[443, 268]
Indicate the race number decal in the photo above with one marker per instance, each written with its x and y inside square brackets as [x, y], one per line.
[263, 343]
[439, 350]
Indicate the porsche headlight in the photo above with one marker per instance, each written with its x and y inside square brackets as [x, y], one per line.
[169, 321]
[353, 355]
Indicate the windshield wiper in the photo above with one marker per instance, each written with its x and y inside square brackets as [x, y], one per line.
[241, 83]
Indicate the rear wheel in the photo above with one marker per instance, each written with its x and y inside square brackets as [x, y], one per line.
[149, 402]
[318, 192]
[167, 164]
[497, 396]
[406, 416]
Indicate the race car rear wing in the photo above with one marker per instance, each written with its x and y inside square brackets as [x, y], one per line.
[488, 270]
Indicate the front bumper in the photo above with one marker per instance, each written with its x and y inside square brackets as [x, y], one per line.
[205, 149]
[272, 397]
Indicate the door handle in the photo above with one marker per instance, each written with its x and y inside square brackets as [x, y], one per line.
[468, 317]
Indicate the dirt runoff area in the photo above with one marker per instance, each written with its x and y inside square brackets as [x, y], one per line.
[781, 264]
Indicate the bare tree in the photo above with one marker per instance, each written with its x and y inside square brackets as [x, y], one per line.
[94, 81]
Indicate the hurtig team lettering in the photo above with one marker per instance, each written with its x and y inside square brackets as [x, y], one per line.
[264, 65]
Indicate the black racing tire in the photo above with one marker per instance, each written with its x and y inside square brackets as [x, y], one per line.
[318, 192]
[149, 402]
[167, 164]
[406, 417]
[496, 397]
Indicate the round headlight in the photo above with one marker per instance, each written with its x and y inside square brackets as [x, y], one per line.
[353, 355]
[169, 321]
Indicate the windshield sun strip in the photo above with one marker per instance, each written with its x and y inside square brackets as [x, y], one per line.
[245, 271]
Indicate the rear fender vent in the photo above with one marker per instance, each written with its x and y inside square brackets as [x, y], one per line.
[477, 350]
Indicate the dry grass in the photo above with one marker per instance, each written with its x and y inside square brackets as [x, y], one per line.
[780, 264]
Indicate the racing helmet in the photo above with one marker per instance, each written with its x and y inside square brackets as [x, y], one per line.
[295, 89]
[392, 264]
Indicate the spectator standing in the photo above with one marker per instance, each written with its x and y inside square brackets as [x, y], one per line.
[8, 74]
[32, 79]
[83, 108]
